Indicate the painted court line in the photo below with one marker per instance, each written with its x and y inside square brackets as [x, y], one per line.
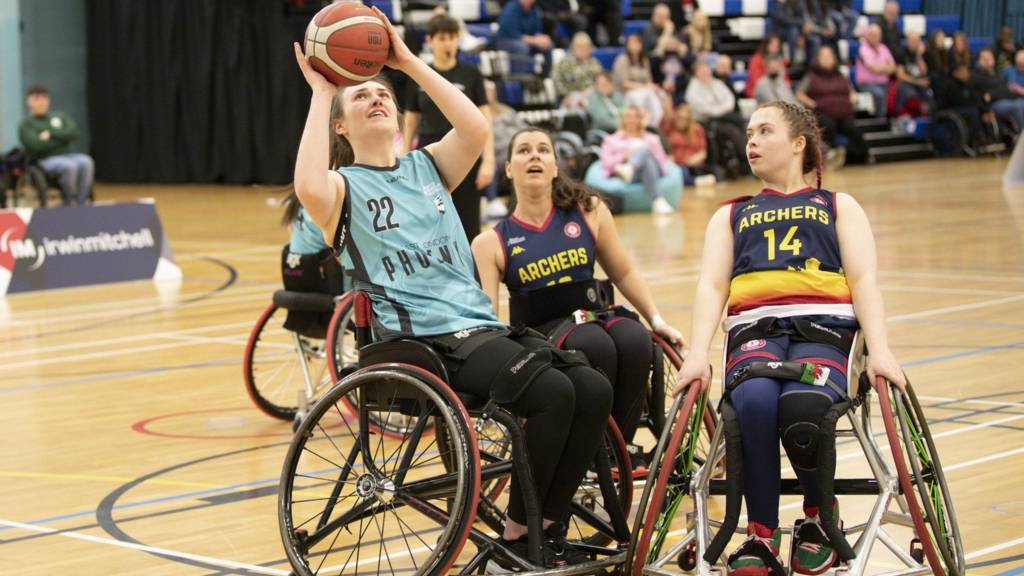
[991, 549]
[150, 549]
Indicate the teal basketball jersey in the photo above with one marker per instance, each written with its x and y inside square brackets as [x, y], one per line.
[306, 237]
[408, 251]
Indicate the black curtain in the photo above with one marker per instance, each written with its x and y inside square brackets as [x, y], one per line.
[195, 90]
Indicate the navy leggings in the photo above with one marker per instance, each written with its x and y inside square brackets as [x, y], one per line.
[757, 405]
[620, 349]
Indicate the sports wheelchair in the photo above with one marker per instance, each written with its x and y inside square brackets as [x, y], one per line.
[353, 498]
[666, 542]
[300, 338]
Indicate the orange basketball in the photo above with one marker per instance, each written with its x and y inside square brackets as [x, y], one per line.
[347, 43]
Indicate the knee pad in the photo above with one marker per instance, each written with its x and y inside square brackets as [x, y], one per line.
[800, 415]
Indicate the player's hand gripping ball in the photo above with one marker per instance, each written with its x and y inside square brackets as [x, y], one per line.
[347, 43]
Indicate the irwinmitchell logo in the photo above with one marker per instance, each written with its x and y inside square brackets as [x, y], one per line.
[28, 249]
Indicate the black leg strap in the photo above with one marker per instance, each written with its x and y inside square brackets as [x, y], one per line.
[826, 480]
[733, 483]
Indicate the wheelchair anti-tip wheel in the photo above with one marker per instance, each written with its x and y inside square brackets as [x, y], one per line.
[277, 364]
[354, 500]
[922, 482]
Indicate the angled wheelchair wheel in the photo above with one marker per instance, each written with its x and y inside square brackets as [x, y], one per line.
[276, 365]
[352, 500]
[921, 479]
[682, 448]
[598, 511]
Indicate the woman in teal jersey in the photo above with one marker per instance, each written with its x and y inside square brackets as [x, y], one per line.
[397, 225]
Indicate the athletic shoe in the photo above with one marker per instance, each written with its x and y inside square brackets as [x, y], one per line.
[812, 553]
[496, 209]
[661, 206]
[624, 171]
[750, 559]
[554, 539]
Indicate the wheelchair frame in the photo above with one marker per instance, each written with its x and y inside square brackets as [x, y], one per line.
[395, 385]
[936, 546]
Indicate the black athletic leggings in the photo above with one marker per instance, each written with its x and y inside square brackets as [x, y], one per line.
[621, 350]
[566, 413]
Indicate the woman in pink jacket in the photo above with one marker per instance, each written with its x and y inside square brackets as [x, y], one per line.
[636, 155]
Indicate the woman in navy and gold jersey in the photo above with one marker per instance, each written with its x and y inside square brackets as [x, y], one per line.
[556, 233]
[401, 236]
[794, 255]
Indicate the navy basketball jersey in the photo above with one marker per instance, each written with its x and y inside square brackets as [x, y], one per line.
[408, 251]
[786, 259]
[561, 250]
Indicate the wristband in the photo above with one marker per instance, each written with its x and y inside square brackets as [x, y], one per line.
[658, 322]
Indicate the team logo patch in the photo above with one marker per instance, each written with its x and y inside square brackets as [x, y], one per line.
[749, 207]
[439, 204]
[818, 200]
[293, 260]
[517, 250]
[753, 345]
[572, 230]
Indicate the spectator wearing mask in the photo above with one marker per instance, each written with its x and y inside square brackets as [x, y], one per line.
[875, 65]
[827, 91]
[773, 85]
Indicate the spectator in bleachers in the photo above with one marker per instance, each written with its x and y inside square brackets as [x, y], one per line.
[1015, 74]
[773, 85]
[798, 63]
[603, 17]
[826, 90]
[960, 53]
[890, 25]
[604, 104]
[698, 34]
[723, 72]
[686, 141]
[875, 65]
[844, 16]
[770, 47]
[659, 30]
[820, 29]
[425, 121]
[47, 137]
[787, 19]
[670, 69]
[632, 74]
[559, 21]
[636, 155]
[914, 91]
[954, 93]
[937, 55]
[714, 105]
[505, 122]
[994, 90]
[520, 33]
[576, 73]
[1004, 48]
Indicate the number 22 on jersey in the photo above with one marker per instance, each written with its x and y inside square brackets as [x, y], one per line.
[789, 243]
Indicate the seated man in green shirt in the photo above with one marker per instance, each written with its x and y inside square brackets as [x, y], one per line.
[47, 138]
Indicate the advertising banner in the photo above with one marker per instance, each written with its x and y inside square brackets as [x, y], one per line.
[65, 246]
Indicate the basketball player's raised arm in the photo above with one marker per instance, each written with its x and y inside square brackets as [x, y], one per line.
[490, 264]
[456, 153]
[320, 190]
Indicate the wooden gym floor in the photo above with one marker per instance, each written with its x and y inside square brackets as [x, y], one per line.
[132, 448]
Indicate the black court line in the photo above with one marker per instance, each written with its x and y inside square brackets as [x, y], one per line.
[232, 278]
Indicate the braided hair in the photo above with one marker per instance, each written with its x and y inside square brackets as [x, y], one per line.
[802, 122]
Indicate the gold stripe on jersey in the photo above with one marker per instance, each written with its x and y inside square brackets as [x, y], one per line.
[773, 287]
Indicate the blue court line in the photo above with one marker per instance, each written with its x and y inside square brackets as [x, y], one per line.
[1012, 571]
[975, 352]
[975, 323]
